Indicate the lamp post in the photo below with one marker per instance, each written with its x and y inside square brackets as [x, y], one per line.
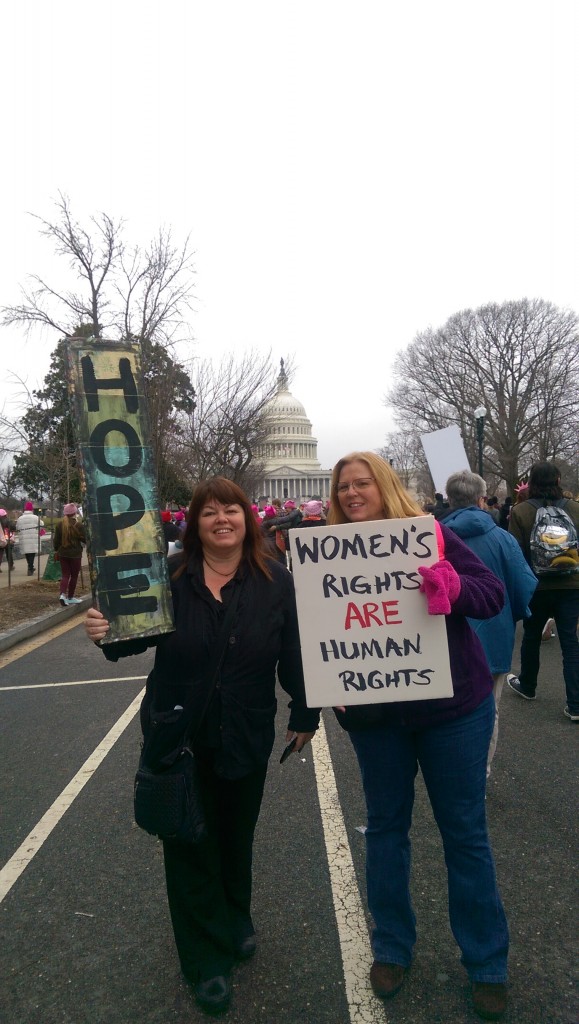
[479, 415]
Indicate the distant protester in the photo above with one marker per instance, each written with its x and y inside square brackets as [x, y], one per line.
[440, 507]
[492, 507]
[505, 512]
[312, 514]
[171, 531]
[69, 537]
[28, 530]
[5, 540]
[557, 593]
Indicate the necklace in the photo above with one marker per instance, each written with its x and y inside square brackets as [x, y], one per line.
[224, 574]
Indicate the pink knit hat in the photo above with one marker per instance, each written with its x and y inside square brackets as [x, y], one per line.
[313, 508]
[29, 507]
[71, 509]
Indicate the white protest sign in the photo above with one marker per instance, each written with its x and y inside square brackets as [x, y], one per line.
[366, 634]
[445, 454]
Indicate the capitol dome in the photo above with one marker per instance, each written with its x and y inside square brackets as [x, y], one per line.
[289, 452]
[284, 404]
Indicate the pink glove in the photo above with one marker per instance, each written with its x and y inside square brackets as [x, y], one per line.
[441, 584]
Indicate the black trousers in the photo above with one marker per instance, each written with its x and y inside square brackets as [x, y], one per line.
[209, 884]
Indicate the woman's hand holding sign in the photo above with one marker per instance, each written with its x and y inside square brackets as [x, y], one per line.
[441, 584]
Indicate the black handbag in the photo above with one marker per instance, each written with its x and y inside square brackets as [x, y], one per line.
[168, 803]
[167, 797]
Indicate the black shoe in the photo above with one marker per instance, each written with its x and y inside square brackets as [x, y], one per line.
[489, 999]
[386, 979]
[214, 994]
[245, 948]
[515, 685]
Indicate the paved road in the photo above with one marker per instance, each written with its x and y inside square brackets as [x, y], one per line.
[85, 931]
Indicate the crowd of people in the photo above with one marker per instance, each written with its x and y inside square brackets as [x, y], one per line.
[500, 512]
[483, 583]
[547, 601]
[232, 587]
[68, 541]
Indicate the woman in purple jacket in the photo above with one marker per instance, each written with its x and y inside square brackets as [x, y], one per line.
[448, 739]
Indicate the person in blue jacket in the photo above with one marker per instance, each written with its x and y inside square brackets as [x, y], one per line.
[468, 519]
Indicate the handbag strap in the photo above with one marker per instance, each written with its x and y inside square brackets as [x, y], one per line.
[216, 662]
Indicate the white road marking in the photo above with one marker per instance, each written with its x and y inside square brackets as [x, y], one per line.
[79, 682]
[364, 1007]
[34, 840]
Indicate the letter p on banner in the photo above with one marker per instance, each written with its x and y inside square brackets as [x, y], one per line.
[125, 543]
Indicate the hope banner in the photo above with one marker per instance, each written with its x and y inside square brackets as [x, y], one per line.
[366, 634]
[125, 544]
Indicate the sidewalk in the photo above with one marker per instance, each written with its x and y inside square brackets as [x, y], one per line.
[20, 572]
[32, 627]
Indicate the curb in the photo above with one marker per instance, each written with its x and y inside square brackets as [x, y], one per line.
[42, 623]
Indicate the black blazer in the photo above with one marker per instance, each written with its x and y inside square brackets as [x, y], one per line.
[263, 640]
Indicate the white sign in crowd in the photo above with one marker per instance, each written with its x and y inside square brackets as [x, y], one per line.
[366, 634]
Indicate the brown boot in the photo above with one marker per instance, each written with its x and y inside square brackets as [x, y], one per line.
[489, 999]
[386, 979]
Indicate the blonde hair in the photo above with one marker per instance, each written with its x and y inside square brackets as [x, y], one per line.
[71, 532]
[396, 501]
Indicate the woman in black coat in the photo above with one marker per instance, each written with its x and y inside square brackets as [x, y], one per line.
[209, 884]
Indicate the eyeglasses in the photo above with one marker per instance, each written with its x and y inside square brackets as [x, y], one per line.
[358, 485]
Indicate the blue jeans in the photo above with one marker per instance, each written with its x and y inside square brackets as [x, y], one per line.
[453, 760]
[563, 606]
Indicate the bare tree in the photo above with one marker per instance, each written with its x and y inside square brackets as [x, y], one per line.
[155, 288]
[229, 420]
[126, 291]
[403, 450]
[92, 255]
[10, 492]
[520, 360]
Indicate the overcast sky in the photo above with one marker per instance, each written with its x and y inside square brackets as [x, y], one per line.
[349, 173]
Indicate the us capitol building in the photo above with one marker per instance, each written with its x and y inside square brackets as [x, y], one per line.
[289, 453]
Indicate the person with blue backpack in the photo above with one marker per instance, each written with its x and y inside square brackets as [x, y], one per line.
[546, 527]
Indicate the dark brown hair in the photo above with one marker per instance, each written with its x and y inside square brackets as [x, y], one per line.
[226, 492]
[544, 481]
